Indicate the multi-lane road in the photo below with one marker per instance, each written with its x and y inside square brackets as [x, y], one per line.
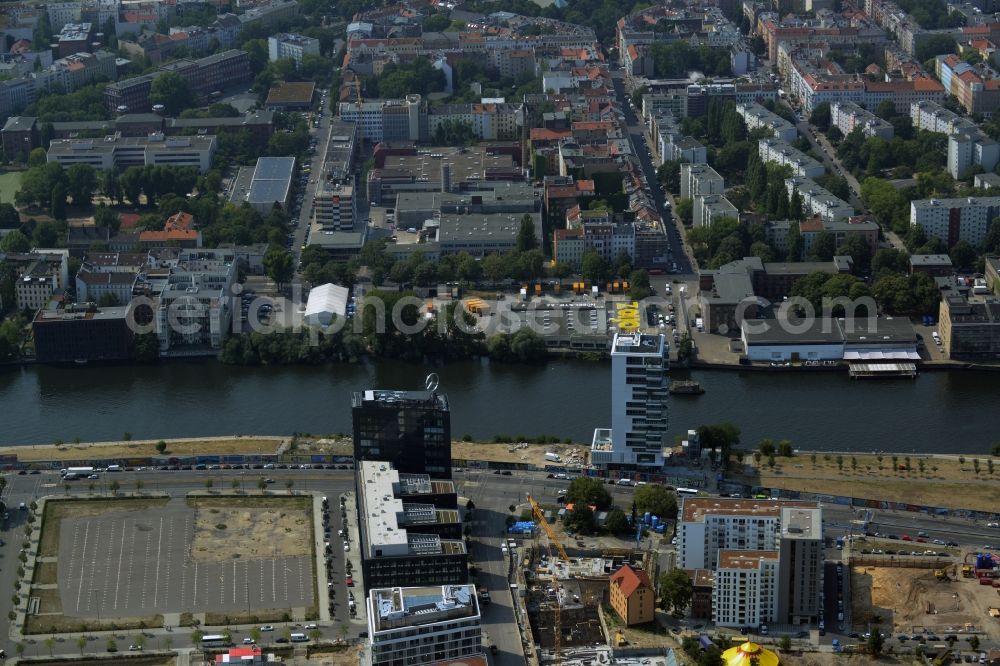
[492, 494]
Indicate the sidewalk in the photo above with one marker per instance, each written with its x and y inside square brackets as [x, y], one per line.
[354, 557]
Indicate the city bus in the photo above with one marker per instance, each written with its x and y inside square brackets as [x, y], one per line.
[214, 640]
[687, 491]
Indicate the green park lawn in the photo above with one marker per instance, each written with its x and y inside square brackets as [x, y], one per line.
[10, 183]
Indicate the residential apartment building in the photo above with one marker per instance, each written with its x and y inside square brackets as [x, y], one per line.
[800, 573]
[488, 121]
[781, 152]
[708, 525]
[746, 588]
[933, 117]
[39, 275]
[840, 230]
[82, 333]
[758, 117]
[975, 86]
[639, 413]
[412, 626]
[952, 220]
[409, 429]
[700, 180]
[568, 246]
[287, 45]
[711, 208]
[967, 149]
[817, 200]
[969, 330]
[399, 541]
[77, 70]
[118, 152]
[848, 116]
[632, 595]
[193, 309]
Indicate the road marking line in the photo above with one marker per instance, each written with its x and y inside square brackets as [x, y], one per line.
[274, 580]
[156, 583]
[194, 602]
[107, 567]
[235, 581]
[121, 554]
[79, 590]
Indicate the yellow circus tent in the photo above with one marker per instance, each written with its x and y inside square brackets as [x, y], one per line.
[742, 655]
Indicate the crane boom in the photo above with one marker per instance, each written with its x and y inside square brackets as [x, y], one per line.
[536, 510]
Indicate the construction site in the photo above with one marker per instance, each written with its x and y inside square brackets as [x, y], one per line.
[928, 598]
[563, 594]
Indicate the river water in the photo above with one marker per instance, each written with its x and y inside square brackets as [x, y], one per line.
[938, 412]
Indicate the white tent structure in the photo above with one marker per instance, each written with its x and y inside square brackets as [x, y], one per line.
[325, 302]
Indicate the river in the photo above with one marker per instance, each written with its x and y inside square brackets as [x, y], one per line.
[939, 412]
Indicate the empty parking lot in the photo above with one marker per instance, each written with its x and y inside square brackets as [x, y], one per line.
[131, 564]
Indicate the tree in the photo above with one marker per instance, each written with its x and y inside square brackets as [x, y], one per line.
[676, 591]
[823, 246]
[766, 447]
[617, 522]
[581, 519]
[785, 449]
[81, 183]
[81, 644]
[785, 643]
[105, 217]
[875, 643]
[796, 210]
[161, 447]
[58, 202]
[820, 116]
[593, 267]
[15, 242]
[172, 91]
[963, 255]
[50, 643]
[279, 265]
[684, 209]
[588, 491]
[526, 239]
[657, 500]
[9, 217]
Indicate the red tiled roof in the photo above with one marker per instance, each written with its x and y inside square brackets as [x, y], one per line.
[629, 580]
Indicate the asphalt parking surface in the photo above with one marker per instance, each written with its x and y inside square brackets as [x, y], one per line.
[124, 564]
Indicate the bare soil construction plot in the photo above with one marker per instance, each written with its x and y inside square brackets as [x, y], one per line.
[914, 601]
[137, 559]
[226, 528]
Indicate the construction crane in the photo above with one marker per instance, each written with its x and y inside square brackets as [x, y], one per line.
[539, 514]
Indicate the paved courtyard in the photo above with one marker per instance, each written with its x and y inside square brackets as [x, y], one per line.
[122, 564]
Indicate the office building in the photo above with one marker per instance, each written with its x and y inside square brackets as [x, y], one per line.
[969, 330]
[636, 439]
[387, 119]
[205, 75]
[286, 45]
[334, 202]
[287, 96]
[120, 152]
[746, 588]
[82, 332]
[800, 573]
[405, 538]
[74, 38]
[268, 184]
[411, 430]
[952, 220]
[412, 626]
